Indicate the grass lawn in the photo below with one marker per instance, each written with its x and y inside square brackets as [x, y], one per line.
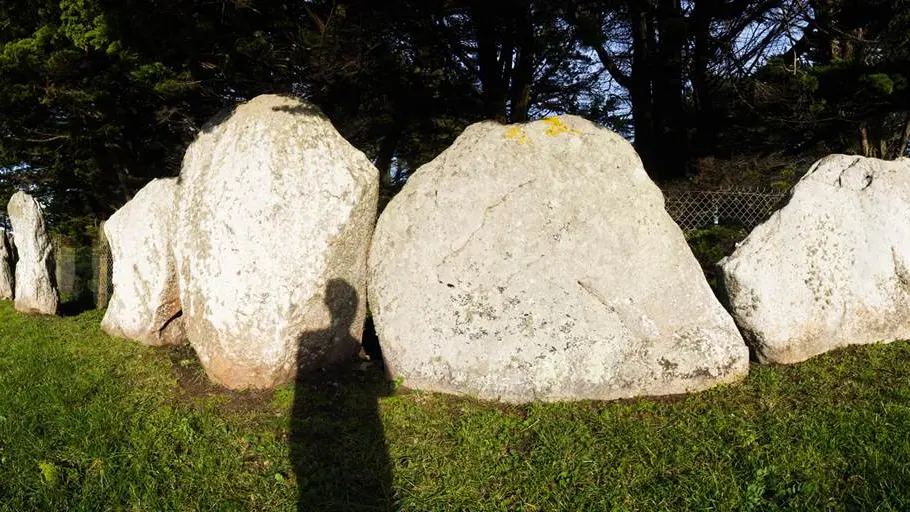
[88, 422]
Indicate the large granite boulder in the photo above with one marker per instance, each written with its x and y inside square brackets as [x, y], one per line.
[7, 266]
[276, 211]
[537, 262]
[832, 267]
[145, 305]
[36, 291]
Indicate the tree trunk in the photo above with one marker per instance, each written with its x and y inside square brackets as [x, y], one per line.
[864, 141]
[901, 148]
[523, 74]
[669, 110]
[640, 90]
[705, 139]
[490, 64]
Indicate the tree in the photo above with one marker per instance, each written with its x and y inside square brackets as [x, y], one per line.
[860, 52]
[673, 57]
[401, 79]
[97, 98]
[841, 87]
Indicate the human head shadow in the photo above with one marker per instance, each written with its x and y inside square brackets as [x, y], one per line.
[338, 449]
[301, 108]
[226, 112]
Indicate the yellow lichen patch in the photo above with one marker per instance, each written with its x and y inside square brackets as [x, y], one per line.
[555, 127]
[518, 134]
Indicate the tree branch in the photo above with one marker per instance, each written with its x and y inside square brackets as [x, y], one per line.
[45, 140]
[586, 30]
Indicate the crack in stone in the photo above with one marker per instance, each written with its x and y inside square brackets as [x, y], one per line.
[524, 269]
[483, 222]
[852, 165]
[588, 288]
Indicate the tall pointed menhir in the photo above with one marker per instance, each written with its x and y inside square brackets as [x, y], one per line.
[36, 290]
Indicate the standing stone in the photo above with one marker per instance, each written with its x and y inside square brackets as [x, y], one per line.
[537, 262]
[276, 210]
[7, 264]
[145, 305]
[36, 292]
[832, 267]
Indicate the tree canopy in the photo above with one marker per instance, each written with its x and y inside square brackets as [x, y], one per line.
[97, 97]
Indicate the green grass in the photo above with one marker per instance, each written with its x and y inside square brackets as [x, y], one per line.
[92, 423]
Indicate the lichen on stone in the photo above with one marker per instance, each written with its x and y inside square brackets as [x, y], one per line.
[517, 134]
[556, 127]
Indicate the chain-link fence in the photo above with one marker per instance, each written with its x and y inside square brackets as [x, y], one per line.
[704, 208]
[83, 274]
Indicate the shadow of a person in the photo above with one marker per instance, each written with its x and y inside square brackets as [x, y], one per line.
[338, 447]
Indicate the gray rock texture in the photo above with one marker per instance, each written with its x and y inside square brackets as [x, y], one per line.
[7, 267]
[275, 215]
[145, 305]
[537, 262]
[36, 292]
[832, 267]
